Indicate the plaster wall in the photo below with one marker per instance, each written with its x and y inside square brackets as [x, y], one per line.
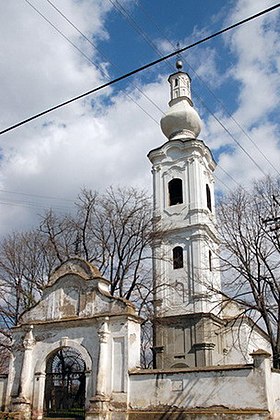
[274, 389]
[190, 225]
[3, 388]
[201, 388]
[123, 353]
[239, 341]
[82, 338]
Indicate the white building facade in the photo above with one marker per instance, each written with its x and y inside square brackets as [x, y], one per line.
[77, 352]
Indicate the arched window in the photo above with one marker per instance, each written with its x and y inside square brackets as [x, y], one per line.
[175, 192]
[208, 197]
[178, 257]
[210, 260]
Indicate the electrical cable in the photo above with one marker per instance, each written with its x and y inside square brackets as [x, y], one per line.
[147, 39]
[47, 197]
[100, 52]
[161, 32]
[133, 23]
[139, 69]
[234, 139]
[229, 175]
[85, 56]
[137, 28]
[30, 204]
[222, 182]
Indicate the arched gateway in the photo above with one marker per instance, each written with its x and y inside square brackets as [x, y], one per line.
[73, 349]
[65, 384]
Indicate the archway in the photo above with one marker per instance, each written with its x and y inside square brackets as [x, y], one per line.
[65, 384]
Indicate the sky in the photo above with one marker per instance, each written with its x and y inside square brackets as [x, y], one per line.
[104, 139]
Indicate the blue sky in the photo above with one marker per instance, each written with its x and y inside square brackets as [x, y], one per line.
[104, 139]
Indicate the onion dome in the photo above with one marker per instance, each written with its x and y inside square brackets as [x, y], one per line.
[181, 121]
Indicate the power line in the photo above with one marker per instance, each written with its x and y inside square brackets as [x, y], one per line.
[125, 14]
[229, 175]
[139, 69]
[32, 204]
[222, 182]
[87, 57]
[161, 32]
[101, 53]
[234, 139]
[47, 197]
[133, 23]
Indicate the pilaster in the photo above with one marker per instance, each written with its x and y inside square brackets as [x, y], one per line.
[99, 404]
[22, 402]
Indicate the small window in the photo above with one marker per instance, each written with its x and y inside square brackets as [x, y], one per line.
[177, 257]
[176, 82]
[175, 192]
[208, 197]
[210, 260]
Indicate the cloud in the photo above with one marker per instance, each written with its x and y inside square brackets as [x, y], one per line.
[95, 142]
[254, 52]
[104, 139]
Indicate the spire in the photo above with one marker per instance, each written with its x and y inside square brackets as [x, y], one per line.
[181, 120]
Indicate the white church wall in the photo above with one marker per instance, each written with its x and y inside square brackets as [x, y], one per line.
[199, 388]
[240, 339]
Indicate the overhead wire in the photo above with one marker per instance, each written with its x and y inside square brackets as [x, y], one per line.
[234, 139]
[136, 27]
[26, 204]
[139, 69]
[87, 57]
[32, 204]
[161, 32]
[47, 197]
[100, 52]
[222, 182]
[133, 23]
[229, 176]
[147, 39]
[38, 205]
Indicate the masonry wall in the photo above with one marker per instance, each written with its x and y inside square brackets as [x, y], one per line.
[236, 391]
[275, 391]
[198, 388]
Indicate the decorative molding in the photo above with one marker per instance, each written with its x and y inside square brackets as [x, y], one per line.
[29, 341]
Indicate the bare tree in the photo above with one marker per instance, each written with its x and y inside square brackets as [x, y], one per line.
[25, 264]
[251, 255]
[4, 359]
[113, 231]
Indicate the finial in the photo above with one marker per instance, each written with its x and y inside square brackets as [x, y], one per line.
[179, 62]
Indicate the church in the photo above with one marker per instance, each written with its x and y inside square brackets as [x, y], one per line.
[76, 353]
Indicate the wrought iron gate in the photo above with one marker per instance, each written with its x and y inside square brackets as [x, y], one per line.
[65, 384]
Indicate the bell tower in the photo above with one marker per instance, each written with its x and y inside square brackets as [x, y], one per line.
[185, 249]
